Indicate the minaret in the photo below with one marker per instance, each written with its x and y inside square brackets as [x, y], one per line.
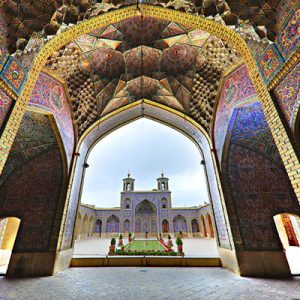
[162, 183]
[128, 183]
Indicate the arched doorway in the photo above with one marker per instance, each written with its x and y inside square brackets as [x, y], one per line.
[195, 227]
[35, 180]
[204, 231]
[126, 227]
[172, 119]
[112, 225]
[211, 228]
[91, 226]
[165, 226]
[8, 233]
[98, 227]
[146, 218]
[78, 226]
[288, 228]
[179, 224]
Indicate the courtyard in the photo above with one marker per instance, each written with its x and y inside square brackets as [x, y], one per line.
[191, 246]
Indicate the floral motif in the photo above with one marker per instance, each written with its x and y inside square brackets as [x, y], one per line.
[289, 39]
[270, 63]
[14, 74]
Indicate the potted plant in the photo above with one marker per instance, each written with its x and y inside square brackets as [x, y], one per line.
[179, 245]
[129, 237]
[120, 240]
[112, 247]
[170, 243]
[160, 237]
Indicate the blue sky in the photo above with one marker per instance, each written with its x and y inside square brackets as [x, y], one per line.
[144, 147]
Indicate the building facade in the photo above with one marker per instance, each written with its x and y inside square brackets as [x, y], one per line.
[224, 73]
[144, 211]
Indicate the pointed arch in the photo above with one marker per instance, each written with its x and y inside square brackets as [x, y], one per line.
[210, 225]
[91, 226]
[165, 226]
[85, 226]
[8, 232]
[98, 227]
[126, 226]
[204, 230]
[78, 225]
[112, 224]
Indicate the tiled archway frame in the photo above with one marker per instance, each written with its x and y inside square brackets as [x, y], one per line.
[279, 133]
[162, 114]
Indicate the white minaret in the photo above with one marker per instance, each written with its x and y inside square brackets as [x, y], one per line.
[128, 183]
[162, 183]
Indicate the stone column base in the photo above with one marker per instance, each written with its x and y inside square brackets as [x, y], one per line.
[263, 264]
[229, 260]
[39, 263]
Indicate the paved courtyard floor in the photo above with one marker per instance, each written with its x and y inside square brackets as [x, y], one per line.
[148, 283]
[191, 247]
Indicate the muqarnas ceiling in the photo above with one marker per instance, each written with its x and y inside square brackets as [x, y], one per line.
[26, 17]
[142, 57]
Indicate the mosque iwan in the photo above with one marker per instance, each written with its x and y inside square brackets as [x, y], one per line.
[224, 73]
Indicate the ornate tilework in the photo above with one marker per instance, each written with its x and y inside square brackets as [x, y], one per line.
[251, 128]
[30, 142]
[49, 94]
[5, 103]
[236, 90]
[258, 183]
[288, 40]
[31, 182]
[287, 94]
[270, 63]
[14, 74]
[3, 28]
[3, 57]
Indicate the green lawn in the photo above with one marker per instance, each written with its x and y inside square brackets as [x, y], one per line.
[145, 245]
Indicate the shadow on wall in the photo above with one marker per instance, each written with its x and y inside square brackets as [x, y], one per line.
[8, 233]
[288, 227]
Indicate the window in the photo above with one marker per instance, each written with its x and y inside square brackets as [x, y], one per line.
[164, 203]
[127, 203]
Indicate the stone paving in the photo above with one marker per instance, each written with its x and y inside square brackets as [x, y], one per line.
[148, 283]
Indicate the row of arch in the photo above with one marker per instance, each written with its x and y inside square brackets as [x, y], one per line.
[88, 227]
[204, 228]
[84, 226]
